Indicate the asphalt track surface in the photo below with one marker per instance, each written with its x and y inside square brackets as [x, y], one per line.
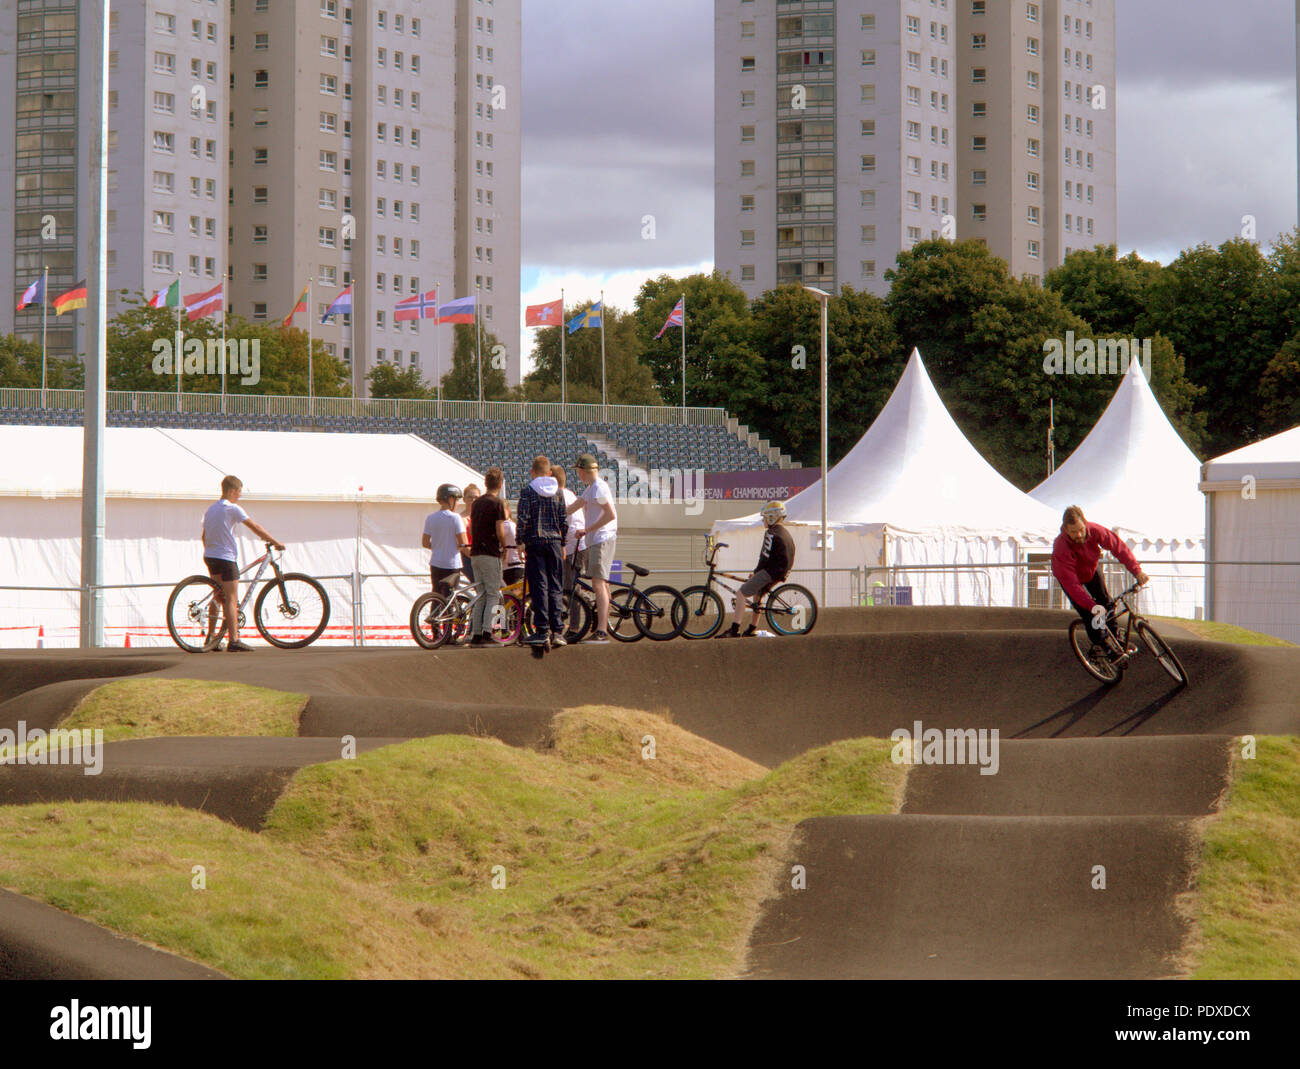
[978, 876]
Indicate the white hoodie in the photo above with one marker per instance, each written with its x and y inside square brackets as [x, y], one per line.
[546, 485]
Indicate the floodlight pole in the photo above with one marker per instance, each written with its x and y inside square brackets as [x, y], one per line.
[824, 299]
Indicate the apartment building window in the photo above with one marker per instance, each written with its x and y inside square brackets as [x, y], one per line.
[747, 237]
[164, 182]
[1089, 127]
[381, 206]
[979, 212]
[979, 143]
[261, 157]
[259, 272]
[1031, 215]
[328, 199]
[1090, 194]
[196, 147]
[913, 130]
[868, 164]
[261, 79]
[977, 7]
[1031, 45]
[329, 85]
[260, 232]
[329, 47]
[869, 234]
[913, 200]
[1032, 248]
[979, 178]
[329, 122]
[1031, 113]
[868, 127]
[162, 261]
[329, 9]
[397, 171]
[164, 103]
[210, 227]
[1032, 147]
[746, 272]
[1090, 227]
[196, 68]
[326, 237]
[415, 27]
[913, 234]
[415, 101]
[979, 41]
[869, 23]
[914, 165]
[259, 311]
[329, 161]
[913, 95]
[746, 168]
[1031, 79]
[868, 268]
[261, 42]
[978, 76]
[746, 202]
[164, 222]
[164, 142]
[747, 98]
[868, 57]
[259, 194]
[381, 93]
[1031, 12]
[164, 63]
[1067, 224]
[1031, 180]
[914, 25]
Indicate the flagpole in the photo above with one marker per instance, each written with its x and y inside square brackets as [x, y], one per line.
[311, 408]
[564, 393]
[604, 403]
[437, 349]
[478, 348]
[180, 341]
[45, 305]
[224, 275]
[683, 360]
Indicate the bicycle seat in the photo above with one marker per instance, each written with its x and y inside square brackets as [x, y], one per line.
[636, 569]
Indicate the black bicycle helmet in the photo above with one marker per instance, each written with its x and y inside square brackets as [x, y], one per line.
[449, 490]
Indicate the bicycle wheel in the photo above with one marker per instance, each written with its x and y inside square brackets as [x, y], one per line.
[292, 612]
[507, 620]
[622, 615]
[1098, 666]
[429, 620]
[1162, 653]
[581, 616]
[660, 612]
[791, 610]
[704, 612]
[195, 615]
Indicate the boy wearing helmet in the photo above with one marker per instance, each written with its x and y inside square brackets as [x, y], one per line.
[774, 564]
[444, 538]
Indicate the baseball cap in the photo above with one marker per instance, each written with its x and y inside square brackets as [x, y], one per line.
[587, 461]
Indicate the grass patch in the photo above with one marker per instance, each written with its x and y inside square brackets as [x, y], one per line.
[1248, 887]
[461, 856]
[1218, 632]
[151, 708]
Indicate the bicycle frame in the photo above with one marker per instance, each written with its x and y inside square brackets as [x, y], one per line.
[715, 571]
[265, 559]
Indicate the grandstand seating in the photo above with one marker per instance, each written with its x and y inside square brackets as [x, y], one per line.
[479, 443]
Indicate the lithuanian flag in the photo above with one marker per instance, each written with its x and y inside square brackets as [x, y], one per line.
[74, 298]
[299, 306]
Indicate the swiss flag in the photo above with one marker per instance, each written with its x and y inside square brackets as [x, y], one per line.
[544, 315]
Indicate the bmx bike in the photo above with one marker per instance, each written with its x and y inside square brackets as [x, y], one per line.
[1107, 663]
[790, 608]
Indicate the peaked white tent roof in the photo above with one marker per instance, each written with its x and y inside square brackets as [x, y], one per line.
[1276, 458]
[914, 470]
[279, 465]
[1132, 472]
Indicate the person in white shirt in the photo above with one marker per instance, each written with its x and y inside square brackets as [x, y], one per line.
[221, 555]
[600, 524]
[444, 538]
[575, 552]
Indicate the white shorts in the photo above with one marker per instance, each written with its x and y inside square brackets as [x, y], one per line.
[600, 559]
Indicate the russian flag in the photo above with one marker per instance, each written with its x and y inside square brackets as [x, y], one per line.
[342, 305]
[33, 294]
[461, 310]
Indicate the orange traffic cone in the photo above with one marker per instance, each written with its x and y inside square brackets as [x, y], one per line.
[128, 640]
[40, 638]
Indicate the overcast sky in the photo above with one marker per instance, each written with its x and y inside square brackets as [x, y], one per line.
[618, 124]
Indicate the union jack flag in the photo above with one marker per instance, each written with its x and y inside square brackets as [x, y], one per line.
[676, 318]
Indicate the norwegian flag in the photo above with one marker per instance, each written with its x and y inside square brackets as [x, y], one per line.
[676, 318]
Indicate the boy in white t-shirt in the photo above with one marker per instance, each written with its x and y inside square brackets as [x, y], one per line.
[600, 529]
[221, 555]
[444, 537]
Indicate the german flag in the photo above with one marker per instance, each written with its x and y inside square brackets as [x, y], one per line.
[74, 298]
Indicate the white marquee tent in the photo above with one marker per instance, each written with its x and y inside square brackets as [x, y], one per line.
[342, 504]
[1254, 516]
[1134, 474]
[914, 491]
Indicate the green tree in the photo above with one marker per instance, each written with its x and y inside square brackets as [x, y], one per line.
[628, 381]
[720, 358]
[865, 359]
[1107, 292]
[386, 380]
[20, 366]
[461, 382]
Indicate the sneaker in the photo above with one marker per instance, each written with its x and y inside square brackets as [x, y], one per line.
[749, 632]
[238, 647]
[479, 642]
[558, 640]
[597, 636]
[732, 632]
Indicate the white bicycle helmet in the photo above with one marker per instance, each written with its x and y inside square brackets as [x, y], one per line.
[773, 512]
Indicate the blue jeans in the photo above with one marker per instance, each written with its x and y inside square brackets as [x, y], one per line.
[544, 573]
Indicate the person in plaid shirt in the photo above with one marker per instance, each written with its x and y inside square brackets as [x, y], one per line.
[542, 524]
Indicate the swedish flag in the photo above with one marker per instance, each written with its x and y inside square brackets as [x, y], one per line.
[589, 318]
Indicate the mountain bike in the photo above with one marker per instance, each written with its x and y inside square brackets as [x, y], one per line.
[290, 612]
[790, 608]
[437, 619]
[1107, 663]
[654, 612]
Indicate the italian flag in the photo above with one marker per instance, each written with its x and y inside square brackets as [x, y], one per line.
[167, 298]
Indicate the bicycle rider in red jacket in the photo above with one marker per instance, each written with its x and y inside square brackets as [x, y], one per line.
[1075, 554]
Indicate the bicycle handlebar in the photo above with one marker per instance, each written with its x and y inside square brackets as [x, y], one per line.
[713, 551]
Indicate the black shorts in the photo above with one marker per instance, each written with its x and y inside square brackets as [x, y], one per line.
[222, 570]
[443, 578]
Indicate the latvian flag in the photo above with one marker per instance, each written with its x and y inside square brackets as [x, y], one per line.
[199, 305]
[342, 305]
[74, 298]
[461, 310]
[675, 318]
[168, 297]
[421, 306]
[33, 294]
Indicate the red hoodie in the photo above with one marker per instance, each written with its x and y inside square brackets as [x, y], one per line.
[1074, 564]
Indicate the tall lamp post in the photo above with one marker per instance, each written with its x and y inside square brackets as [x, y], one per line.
[824, 298]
